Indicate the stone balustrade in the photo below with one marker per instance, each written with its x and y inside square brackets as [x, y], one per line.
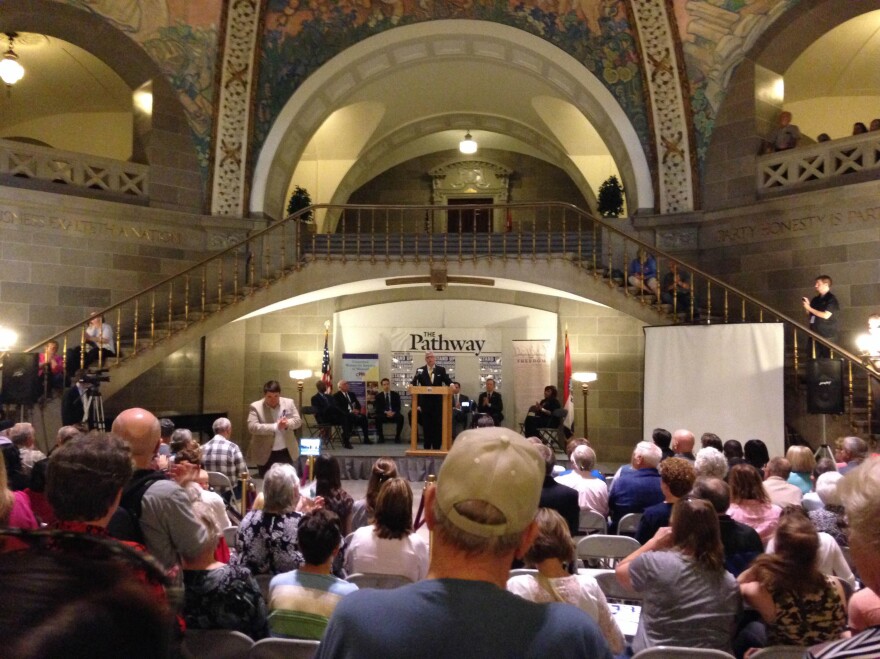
[81, 170]
[793, 169]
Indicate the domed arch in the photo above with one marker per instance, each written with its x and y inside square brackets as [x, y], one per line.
[475, 42]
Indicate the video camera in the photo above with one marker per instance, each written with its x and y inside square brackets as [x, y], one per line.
[93, 377]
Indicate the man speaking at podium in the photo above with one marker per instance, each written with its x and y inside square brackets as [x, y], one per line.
[431, 406]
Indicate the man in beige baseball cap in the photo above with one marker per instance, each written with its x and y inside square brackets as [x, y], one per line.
[481, 513]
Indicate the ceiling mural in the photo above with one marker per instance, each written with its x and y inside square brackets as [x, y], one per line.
[715, 36]
[181, 37]
[300, 36]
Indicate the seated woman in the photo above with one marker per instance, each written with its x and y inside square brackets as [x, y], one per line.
[267, 538]
[749, 503]
[553, 554]
[797, 603]
[690, 600]
[220, 596]
[389, 546]
[541, 413]
[52, 367]
[831, 518]
[364, 509]
[802, 465]
[328, 484]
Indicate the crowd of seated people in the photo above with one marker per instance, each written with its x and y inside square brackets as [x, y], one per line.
[720, 564]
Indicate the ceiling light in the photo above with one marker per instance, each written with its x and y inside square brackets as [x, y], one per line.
[467, 145]
[10, 70]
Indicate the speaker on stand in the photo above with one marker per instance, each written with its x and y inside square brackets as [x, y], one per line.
[825, 388]
[20, 384]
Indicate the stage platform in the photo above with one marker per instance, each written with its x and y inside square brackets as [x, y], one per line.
[356, 463]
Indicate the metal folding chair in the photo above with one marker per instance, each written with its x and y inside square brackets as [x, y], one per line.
[629, 524]
[591, 522]
[603, 551]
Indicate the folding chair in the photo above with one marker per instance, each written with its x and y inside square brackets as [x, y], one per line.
[371, 580]
[230, 534]
[629, 524]
[221, 484]
[591, 522]
[326, 431]
[673, 652]
[604, 551]
[615, 591]
[555, 433]
[216, 644]
[284, 648]
[520, 571]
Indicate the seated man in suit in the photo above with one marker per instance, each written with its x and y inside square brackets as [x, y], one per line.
[326, 411]
[387, 406]
[352, 413]
[461, 410]
[490, 402]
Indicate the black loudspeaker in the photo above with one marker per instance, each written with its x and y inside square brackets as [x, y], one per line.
[825, 386]
[21, 384]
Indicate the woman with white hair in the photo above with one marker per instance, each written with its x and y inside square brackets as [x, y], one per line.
[592, 491]
[830, 519]
[860, 495]
[710, 463]
[267, 538]
[218, 596]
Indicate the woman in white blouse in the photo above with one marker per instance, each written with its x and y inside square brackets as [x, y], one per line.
[389, 546]
[551, 553]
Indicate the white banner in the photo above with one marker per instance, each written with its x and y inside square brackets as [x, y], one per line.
[531, 372]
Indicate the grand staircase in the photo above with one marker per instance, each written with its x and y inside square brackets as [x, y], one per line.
[403, 242]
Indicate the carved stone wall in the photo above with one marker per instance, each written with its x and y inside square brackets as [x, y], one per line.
[233, 109]
[664, 82]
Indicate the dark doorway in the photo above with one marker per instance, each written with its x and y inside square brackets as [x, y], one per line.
[470, 220]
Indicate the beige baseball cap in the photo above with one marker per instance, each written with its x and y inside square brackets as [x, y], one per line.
[496, 466]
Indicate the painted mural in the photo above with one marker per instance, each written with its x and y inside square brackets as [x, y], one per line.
[181, 36]
[302, 35]
[715, 36]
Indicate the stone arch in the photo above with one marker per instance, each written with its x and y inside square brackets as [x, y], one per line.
[380, 157]
[335, 82]
[743, 118]
[164, 141]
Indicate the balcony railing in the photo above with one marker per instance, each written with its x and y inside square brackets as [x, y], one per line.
[447, 235]
[80, 170]
[818, 162]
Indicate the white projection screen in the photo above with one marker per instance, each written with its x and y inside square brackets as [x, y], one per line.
[726, 379]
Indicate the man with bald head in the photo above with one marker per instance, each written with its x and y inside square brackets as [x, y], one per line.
[683, 444]
[160, 506]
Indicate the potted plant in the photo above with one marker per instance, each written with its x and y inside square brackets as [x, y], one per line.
[298, 200]
[611, 198]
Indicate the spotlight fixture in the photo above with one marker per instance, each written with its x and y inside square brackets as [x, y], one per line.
[10, 70]
[467, 145]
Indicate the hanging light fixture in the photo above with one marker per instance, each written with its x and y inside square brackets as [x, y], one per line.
[10, 70]
[467, 145]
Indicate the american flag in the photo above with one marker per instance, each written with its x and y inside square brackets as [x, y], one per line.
[327, 376]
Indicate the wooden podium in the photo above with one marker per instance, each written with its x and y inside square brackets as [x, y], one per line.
[446, 415]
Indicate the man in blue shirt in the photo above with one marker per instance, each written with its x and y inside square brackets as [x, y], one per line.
[635, 490]
[481, 512]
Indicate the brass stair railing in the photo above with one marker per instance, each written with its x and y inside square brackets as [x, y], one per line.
[448, 235]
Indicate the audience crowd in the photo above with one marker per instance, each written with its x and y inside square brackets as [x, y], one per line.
[737, 549]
